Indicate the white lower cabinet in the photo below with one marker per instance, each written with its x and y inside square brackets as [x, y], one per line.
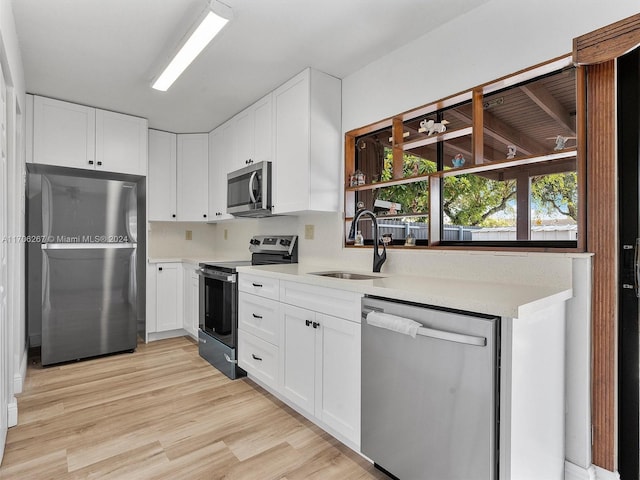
[303, 342]
[168, 304]
[320, 368]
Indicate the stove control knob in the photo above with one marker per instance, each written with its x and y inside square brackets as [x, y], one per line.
[254, 241]
[285, 242]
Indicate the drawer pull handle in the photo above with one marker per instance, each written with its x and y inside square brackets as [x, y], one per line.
[255, 357]
[307, 322]
[259, 317]
[257, 285]
[315, 324]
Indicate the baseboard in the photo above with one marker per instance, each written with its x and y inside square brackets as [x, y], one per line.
[602, 474]
[574, 472]
[12, 414]
[154, 336]
[21, 374]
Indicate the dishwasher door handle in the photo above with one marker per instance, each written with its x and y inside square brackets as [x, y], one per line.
[438, 334]
[452, 336]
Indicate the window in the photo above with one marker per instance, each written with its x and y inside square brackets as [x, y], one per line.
[497, 166]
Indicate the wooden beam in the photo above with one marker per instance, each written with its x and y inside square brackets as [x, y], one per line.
[478, 126]
[607, 43]
[548, 103]
[397, 149]
[602, 242]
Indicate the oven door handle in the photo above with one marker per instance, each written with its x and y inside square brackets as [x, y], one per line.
[214, 275]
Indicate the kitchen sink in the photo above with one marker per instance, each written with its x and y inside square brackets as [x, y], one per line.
[347, 275]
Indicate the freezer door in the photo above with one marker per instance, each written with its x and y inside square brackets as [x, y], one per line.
[88, 210]
[88, 302]
[429, 403]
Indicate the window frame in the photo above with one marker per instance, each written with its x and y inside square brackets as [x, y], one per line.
[434, 180]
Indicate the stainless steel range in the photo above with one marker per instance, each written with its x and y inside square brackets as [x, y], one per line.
[218, 334]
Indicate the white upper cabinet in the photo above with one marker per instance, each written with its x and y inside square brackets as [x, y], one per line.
[193, 177]
[63, 133]
[77, 136]
[253, 135]
[161, 180]
[121, 143]
[220, 146]
[308, 138]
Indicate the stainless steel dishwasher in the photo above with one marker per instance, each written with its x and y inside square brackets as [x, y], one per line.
[430, 403]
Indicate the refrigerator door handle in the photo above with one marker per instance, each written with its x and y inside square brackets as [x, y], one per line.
[85, 246]
[636, 269]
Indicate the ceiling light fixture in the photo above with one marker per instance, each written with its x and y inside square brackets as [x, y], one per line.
[212, 20]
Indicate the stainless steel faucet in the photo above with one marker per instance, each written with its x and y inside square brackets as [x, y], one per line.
[378, 259]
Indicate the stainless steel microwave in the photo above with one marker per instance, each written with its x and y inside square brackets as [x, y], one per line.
[249, 191]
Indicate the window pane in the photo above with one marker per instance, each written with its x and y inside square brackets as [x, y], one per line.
[473, 202]
[531, 119]
[483, 207]
[371, 151]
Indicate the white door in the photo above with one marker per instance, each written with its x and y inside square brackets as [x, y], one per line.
[243, 132]
[5, 359]
[220, 151]
[262, 130]
[63, 133]
[161, 180]
[121, 143]
[193, 177]
[338, 375]
[168, 296]
[299, 347]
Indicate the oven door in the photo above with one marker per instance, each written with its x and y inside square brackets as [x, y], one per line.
[218, 305]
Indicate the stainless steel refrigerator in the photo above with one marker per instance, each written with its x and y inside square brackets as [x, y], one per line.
[83, 261]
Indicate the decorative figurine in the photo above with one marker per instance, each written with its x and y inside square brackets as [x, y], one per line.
[458, 160]
[561, 142]
[431, 127]
[511, 151]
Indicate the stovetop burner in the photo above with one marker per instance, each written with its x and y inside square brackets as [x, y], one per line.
[265, 250]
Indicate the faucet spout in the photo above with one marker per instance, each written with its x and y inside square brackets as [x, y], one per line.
[378, 258]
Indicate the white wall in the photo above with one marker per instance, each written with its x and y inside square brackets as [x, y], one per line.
[13, 354]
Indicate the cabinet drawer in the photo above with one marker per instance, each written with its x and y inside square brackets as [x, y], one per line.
[339, 303]
[259, 316]
[258, 358]
[257, 285]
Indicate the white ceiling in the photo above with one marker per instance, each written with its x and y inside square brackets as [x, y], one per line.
[104, 53]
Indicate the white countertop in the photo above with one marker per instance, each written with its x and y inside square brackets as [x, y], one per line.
[472, 295]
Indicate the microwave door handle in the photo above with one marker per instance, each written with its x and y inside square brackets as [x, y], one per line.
[251, 180]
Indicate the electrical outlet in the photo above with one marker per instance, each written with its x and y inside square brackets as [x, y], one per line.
[188, 235]
[226, 233]
[308, 232]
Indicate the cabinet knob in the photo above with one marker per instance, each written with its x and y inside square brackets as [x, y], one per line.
[307, 322]
[315, 324]
[205, 215]
[255, 357]
[159, 269]
[173, 215]
[90, 162]
[99, 163]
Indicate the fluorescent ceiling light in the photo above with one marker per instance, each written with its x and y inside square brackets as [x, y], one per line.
[210, 26]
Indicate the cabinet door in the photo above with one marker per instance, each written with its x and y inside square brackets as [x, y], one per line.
[121, 143]
[262, 129]
[193, 177]
[219, 153]
[338, 375]
[161, 181]
[243, 139]
[190, 299]
[298, 344]
[168, 296]
[292, 131]
[63, 133]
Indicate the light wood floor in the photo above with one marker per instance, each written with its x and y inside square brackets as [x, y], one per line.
[164, 413]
